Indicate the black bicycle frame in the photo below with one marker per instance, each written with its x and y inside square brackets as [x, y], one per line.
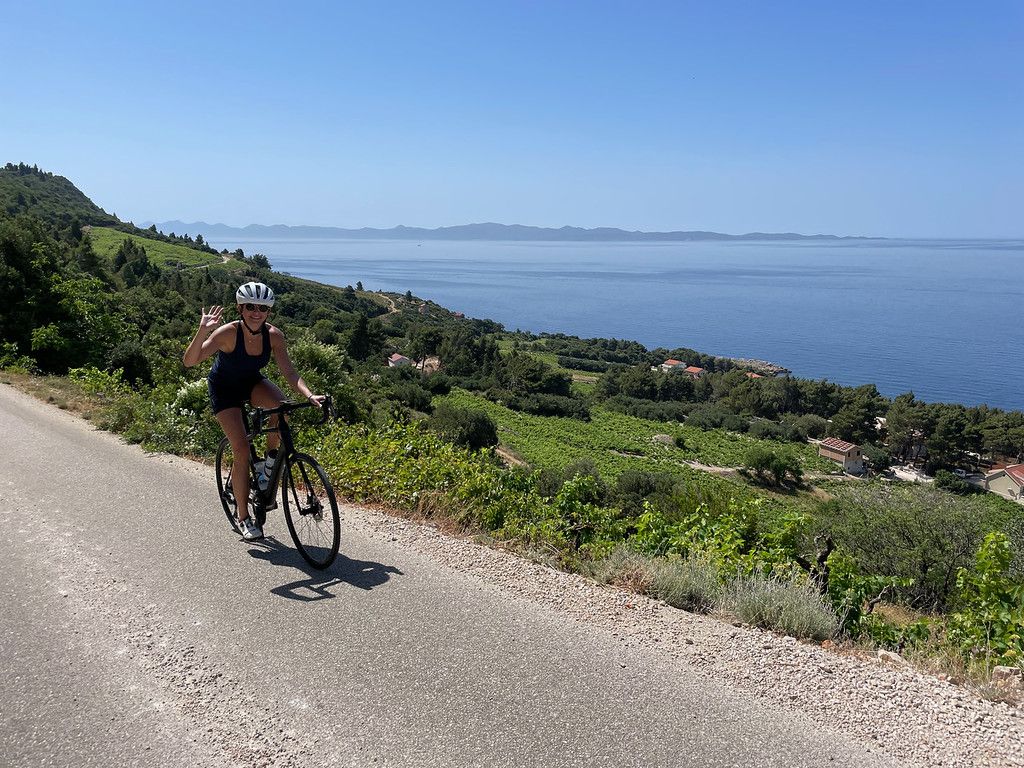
[284, 452]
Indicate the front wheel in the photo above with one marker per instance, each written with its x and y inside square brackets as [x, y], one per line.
[311, 511]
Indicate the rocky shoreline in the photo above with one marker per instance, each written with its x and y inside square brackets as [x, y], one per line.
[761, 366]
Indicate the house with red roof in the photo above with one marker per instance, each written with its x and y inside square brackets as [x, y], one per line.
[1007, 482]
[694, 372]
[672, 365]
[847, 454]
[397, 360]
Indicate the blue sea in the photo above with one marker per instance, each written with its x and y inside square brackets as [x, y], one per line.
[940, 318]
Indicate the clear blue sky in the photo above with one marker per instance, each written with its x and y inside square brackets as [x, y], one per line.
[876, 118]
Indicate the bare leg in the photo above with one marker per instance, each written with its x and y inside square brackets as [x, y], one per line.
[267, 394]
[230, 420]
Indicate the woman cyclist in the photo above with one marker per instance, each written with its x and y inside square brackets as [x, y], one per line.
[243, 348]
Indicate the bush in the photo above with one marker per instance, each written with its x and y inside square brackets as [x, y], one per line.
[690, 583]
[649, 409]
[550, 405]
[633, 487]
[411, 395]
[550, 481]
[811, 425]
[917, 534]
[947, 481]
[10, 360]
[735, 423]
[767, 430]
[879, 458]
[464, 426]
[989, 623]
[707, 417]
[583, 364]
[772, 467]
[791, 606]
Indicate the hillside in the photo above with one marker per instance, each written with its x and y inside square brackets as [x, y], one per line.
[27, 189]
[106, 241]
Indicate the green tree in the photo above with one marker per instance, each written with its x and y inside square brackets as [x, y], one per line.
[464, 426]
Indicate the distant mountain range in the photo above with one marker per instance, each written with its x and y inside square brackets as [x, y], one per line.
[488, 231]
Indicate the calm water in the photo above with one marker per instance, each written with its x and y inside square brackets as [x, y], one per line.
[940, 318]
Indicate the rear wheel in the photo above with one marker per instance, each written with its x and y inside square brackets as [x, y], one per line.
[311, 510]
[225, 460]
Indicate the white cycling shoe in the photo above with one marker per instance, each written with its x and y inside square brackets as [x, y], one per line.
[250, 531]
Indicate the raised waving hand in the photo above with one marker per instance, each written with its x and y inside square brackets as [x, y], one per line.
[211, 318]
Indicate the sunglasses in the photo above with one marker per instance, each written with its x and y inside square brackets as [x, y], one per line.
[255, 307]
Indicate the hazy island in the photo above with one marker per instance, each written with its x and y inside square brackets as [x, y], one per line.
[487, 231]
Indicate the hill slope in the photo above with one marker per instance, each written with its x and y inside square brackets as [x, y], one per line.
[27, 189]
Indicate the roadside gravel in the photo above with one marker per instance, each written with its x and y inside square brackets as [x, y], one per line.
[913, 717]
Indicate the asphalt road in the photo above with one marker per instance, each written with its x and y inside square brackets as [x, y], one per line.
[137, 629]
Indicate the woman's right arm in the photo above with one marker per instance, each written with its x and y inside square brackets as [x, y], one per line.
[206, 342]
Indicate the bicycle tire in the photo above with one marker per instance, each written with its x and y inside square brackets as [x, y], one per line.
[311, 510]
[225, 461]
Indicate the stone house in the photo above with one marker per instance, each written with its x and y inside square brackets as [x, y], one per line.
[846, 454]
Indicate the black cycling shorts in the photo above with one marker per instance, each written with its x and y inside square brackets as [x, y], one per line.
[234, 391]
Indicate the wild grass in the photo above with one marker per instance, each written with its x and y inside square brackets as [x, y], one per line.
[791, 606]
[690, 583]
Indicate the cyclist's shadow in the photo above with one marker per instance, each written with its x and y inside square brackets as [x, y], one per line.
[363, 574]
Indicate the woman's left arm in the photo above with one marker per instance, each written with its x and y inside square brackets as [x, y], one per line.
[279, 348]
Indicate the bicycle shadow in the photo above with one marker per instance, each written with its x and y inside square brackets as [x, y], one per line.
[362, 574]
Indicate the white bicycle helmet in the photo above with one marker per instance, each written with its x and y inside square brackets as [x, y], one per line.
[256, 293]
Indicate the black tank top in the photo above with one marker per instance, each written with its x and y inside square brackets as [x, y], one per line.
[239, 362]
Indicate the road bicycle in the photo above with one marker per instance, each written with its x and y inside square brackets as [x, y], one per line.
[310, 506]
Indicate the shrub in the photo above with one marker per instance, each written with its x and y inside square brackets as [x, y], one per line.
[633, 487]
[772, 467]
[811, 425]
[947, 481]
[691, 583]
[917, 534]
[707, 417]
[624, 567]
[766, 430]
[990, 620]
[879, 458]
[412, 395]
[10, 360]
[791, 606]
[467, 427]
[735, 423]
[550, 481]
[649, 409]
[549, 405]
